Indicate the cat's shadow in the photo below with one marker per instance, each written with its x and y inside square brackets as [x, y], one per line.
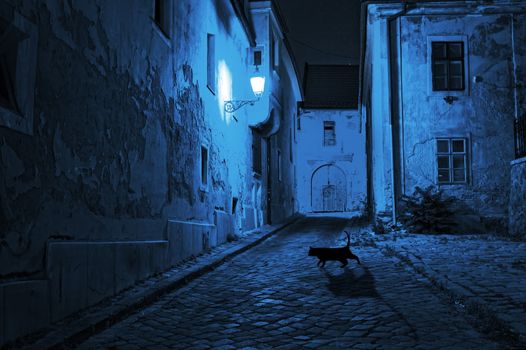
[352, 282]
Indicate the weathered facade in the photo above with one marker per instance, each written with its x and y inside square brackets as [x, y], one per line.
[330, 142]
[442, 83]
[117, 157]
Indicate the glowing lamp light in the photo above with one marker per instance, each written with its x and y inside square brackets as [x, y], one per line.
[257, 82]
[258, 85]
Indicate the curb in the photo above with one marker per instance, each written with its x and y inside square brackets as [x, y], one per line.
[79, 330]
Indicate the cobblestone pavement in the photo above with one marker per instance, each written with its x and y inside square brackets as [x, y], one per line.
[274, 296]
[481, 271]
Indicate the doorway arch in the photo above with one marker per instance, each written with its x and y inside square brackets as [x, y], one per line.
[328, 189]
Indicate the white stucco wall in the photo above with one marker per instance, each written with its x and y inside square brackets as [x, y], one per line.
[347, 155]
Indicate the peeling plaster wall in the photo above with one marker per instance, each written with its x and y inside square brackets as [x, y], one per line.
[121, 119]
[483, 114]
[121, 113]
[348, 155]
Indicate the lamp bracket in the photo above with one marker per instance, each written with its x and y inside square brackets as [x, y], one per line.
[234, 105]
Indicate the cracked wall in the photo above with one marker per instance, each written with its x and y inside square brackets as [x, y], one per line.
[406, 116]
[121, 113]
[483, 113]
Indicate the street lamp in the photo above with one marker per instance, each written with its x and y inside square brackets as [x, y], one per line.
[257, 82]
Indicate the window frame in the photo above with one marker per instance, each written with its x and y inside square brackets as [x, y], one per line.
[450, 155]
[163, 22]
[329, 124]
[257, 163]
[18, 113]
[465, 66]
[448, 60]
[211, 75]
[204, 166]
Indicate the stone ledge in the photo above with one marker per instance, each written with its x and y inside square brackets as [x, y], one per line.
[77, 328]
[518, 161]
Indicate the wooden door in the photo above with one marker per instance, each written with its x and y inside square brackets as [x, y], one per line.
[328, 189]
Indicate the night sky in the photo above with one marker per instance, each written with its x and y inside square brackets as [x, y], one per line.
[323, 32]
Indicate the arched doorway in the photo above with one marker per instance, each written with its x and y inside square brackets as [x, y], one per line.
[328, 189]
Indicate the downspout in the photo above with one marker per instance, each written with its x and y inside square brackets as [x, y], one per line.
[514, 61]
[390, 20]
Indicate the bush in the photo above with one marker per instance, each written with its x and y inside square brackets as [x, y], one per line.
[427, 211]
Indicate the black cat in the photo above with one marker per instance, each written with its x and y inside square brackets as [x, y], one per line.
[339, 254]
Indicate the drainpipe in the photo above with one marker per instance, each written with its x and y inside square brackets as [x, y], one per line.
[514, 60]
[390, 19]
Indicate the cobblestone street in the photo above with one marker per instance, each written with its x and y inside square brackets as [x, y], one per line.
[274, 296]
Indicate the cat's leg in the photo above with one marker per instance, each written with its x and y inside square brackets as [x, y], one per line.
[319, 262]
[356, 258]
[344, 262]
[323, 263]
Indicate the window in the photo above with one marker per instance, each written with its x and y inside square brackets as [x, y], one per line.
[447, 65]
[256, 58]
[162, 15]
[520, 136]
[256, 152]
[204, 165]
[211, 63]
[7, 91]
[329, 133]
[18, 63]
[234, 204]
[452, 160]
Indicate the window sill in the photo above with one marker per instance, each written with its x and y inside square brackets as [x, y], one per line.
[162, 34]
[518, 161]
[449, 184]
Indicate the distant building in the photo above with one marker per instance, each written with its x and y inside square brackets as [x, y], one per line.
[330, 142]
[443, 84]
[117, 156]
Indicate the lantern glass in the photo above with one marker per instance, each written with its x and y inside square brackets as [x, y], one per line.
[258, 85]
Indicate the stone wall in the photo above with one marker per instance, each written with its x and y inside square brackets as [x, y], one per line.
[106, 175]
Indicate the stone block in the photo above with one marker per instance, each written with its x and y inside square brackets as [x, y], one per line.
[127, 265]
[100, 271]
[224, 225]
[188, 238]
[25, 309]
[67, 272]
[197, 239]
[152, 255]
[212, 237]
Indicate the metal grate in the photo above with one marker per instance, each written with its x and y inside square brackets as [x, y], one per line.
[520, 137]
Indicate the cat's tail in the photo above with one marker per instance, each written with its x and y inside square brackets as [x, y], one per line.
[348, 239]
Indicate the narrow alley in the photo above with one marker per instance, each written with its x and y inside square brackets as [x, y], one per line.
[166, 165]
[274, 296]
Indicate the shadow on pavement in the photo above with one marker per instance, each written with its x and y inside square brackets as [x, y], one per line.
[352, 282]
